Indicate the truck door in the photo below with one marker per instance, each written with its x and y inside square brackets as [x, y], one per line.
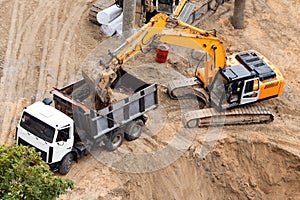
[250, 91]
[63, 144]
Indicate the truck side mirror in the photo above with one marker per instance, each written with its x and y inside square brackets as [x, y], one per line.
[47, 101]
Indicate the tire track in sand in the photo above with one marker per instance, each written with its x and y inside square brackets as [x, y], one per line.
[20, 47]
[30, 49]
[20, 35]
[12, 33]
[26, 51]
[62, 50]
[7, 108]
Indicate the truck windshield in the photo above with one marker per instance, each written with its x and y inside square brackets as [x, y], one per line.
[37, 127]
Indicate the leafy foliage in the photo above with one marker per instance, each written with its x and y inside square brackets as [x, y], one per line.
[24, 175]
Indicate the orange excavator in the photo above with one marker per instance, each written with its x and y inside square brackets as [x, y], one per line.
[225, 82]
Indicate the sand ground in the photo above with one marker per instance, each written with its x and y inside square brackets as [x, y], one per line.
[43, 45]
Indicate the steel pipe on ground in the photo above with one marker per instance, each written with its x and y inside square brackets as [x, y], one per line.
[109, 14]
[110, 28]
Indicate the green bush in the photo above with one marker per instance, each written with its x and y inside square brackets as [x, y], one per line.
[24, 175]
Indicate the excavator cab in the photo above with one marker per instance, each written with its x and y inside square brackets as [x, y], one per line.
[252, 78]
[234, 86]
[166, 6]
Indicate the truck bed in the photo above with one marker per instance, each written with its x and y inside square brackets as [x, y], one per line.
[133, 99]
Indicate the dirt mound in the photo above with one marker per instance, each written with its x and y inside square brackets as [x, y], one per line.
[235, 169]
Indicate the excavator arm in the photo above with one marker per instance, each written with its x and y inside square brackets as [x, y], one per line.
[165, 29]
[185, 36]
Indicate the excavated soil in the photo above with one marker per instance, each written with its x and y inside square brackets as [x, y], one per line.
[43, 44]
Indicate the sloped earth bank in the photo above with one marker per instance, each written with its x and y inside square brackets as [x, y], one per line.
[43, 45]
[235, 169]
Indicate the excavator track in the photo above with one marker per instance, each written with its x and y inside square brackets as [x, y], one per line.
[196, 10]
[249, 114]
[180, 88]
[187, 87]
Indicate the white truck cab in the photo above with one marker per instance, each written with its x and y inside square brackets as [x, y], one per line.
[48, 130]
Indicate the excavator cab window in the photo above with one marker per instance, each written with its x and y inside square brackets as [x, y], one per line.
[233, 92]
[249, 87]
[218, 90]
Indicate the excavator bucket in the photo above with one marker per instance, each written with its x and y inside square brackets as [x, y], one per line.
[99, 80]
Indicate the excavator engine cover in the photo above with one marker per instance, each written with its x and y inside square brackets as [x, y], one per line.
[254, 63]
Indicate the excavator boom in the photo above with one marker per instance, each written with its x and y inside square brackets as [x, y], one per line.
[185, 36]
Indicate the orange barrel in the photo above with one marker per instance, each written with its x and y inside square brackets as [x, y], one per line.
[162, 53]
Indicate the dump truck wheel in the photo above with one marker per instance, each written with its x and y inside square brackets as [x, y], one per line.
[134, 130]
[66, 163]
[114, 141]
